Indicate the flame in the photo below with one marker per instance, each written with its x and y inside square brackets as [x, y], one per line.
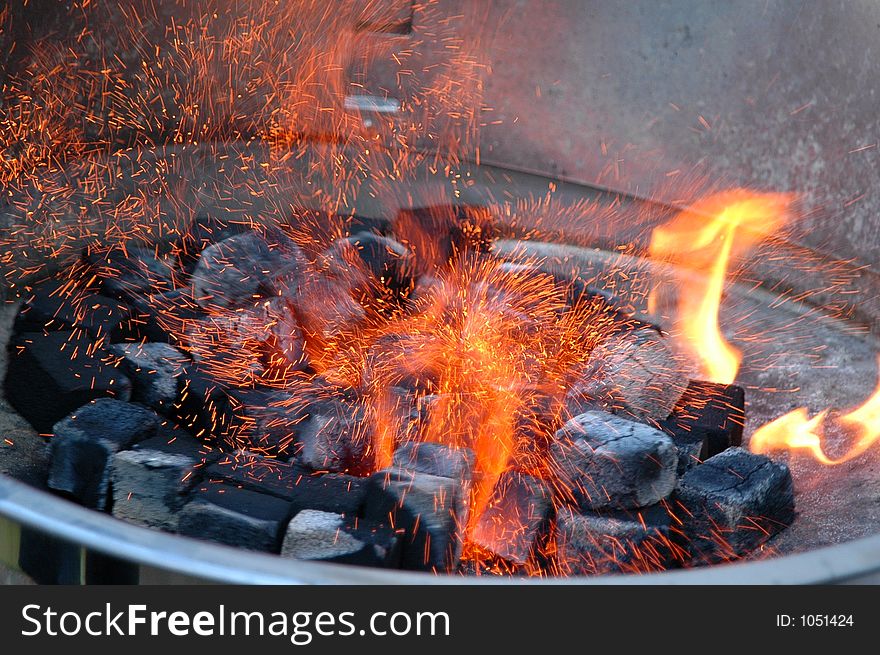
[478, 369]
[865, 418]
[703, 239]
[796, 431]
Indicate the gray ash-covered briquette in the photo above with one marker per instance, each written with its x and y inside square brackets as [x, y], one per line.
[606, 461]
[327, 537]
[734, 502]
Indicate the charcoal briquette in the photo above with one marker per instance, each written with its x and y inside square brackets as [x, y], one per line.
[235, 517]
[733, 502]
[49, 375]
[605, 461]
[637, 541]
[516, 521]
[153, 369]
[428, 510]
[54, 306]
[707, 420]
[327, 537]
[83, 443]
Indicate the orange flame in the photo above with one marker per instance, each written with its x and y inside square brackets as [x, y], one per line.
[702, 240]
[796, 431]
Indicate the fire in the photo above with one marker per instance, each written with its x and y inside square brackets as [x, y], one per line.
[296, 95]
[866, 419]
[796, 431]
[483, 347]
[701, 242]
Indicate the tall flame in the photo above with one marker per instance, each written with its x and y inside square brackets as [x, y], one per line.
[796, 431]
[700, 242]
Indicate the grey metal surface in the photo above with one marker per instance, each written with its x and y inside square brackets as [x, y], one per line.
[659, 97]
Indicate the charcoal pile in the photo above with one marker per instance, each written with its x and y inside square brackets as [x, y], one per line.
[399, 397]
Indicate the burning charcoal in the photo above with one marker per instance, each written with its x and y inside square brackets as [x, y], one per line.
[177, 441]
[235, 517]
[692, 446]
[325, 309]
[262, 419]
[489, 565]
[283, 341]
[330, 492]
[201, 405]
[227, 345]
[375, 225]
[574, 289]
[150, 482]
[132, 272]
[396, 358]
[378, 268]
[163, 317]
[85, 441]
[335, 438]
[516, 520]
[429, 511]
[53, 306]
[426, 288]
[707, 420]
[329, 537]
[268, 420]
[603, 460]
[442, 234]
[205, 231]
[258, 473]
[435, 459]
[536, 421]
[50, 375]
[153, 369]
[304, 489]
[242, 269]
[245, 342]
[733, 502]
[634, 374]
[617, 542]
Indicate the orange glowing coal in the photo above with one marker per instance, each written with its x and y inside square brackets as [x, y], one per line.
[700, 242]
[797, 431]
